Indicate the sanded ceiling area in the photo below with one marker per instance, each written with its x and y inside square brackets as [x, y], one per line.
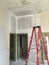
[32, 6]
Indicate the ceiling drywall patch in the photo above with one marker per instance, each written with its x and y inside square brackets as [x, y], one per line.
[25, 2]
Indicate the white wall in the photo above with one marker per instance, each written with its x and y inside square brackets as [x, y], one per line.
[4, 36]
[44, 21]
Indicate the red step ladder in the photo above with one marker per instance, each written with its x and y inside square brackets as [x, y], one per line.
[39, 35]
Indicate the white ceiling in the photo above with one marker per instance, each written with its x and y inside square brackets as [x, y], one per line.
[32, 6]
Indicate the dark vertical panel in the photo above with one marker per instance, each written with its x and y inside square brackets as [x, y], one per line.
[12, 46]
[22, 45]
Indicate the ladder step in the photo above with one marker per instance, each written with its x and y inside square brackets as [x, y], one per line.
[33, 45]
[33, 48]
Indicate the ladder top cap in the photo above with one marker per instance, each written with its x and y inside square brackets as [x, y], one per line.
[36, 26]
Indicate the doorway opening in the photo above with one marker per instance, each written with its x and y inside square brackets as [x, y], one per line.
[13, 47]
[22, 46]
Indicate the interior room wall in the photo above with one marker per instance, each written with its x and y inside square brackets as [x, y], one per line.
[44, 21]
[4, 27]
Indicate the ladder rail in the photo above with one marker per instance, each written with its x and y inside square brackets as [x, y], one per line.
[44, 46]
[27, 56]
